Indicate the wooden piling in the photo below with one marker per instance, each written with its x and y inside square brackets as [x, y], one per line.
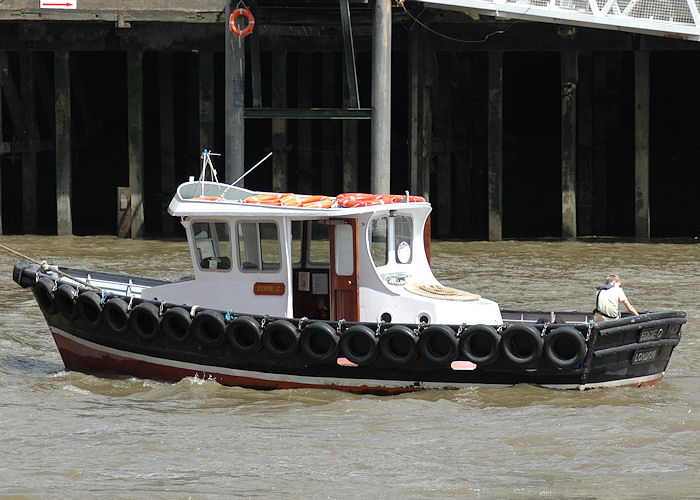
[254, 52]
[328, 128]
[304, 134]
[584, 157]
[134, 63]
[64, 219]
[234, 122]
[426, 127]
[206, 101]
[279, 125]
[415, 82]
[193, 136]
[421, 67]
[381, 98]
[599, 209]
[123, 212]
[350, 162]
[641, 144]
[442, 127]
[569, 82]
[29, 134]
[495, 146]
[167, 138]
[1, 153]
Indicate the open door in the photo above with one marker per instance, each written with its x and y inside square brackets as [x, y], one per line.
[344, 272]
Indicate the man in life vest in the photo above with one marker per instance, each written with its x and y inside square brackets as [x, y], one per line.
[608, 300]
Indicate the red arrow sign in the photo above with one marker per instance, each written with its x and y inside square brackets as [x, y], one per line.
[57, 5]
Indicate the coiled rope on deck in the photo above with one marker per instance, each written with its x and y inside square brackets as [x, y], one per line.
[46, 267]
[440, 292]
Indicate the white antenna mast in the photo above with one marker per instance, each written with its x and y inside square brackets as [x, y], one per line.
[206, 162]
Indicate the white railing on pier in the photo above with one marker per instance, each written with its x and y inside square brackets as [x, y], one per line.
[675, 18]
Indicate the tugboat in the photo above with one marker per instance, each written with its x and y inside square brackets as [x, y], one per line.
[301, 291]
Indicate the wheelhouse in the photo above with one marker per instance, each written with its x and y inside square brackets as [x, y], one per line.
[356, 264]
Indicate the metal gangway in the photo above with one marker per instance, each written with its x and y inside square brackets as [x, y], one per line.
[672, 18]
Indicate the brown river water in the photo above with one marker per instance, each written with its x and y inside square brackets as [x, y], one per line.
[71, 435]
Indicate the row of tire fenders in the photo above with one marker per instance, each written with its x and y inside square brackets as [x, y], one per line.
[319, 342]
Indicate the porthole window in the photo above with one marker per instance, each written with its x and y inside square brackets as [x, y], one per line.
[403, 238]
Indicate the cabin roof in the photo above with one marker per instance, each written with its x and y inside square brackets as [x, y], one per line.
[197, 198]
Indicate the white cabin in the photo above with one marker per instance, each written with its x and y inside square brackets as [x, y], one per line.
[364, 263]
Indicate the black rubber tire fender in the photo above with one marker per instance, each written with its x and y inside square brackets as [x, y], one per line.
[89, 307]
[479, 344]
[244, 335]
[358, 344]
[175, 324]
[209, 327]
[144, 321]
[399, 345]
[44, 293]
[319, 343]
[281, 339]
[22, 275]
[522, 344]
[65, 301]
[565, 347]
[115, 315]
[437, 344]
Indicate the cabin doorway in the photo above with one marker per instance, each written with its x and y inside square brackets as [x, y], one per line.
[310, 269]
[325, 272]
[344, 273]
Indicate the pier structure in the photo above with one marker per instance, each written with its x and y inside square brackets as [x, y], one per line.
[512, 128]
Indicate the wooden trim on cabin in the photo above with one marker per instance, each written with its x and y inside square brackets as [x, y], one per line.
[345, 296]
[427, 237]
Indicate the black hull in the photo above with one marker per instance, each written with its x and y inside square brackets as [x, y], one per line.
[630, 351]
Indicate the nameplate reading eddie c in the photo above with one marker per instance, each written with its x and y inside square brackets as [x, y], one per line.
[268, 288]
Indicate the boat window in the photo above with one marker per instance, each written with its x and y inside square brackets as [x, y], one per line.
[319, 243]
[403, 236]
[213, 243]
[344, 258]
[391, 240]
[258, 246]
[378, 240]
[297, 232]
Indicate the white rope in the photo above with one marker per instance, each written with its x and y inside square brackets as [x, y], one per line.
[249, 171]
[46, 267]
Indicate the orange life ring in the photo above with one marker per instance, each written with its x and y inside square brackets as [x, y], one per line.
[366, 203]
[349, 203]
[387, 198]
[302, 200]
[357, 196]
[400, 198]
[248, 29]
[324, 202]
[267, 198]
[207, 198]
[347, 200]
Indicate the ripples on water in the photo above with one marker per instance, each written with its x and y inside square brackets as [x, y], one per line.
[68, 434]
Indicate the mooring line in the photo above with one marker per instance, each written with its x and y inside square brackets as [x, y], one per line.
[45, 266]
